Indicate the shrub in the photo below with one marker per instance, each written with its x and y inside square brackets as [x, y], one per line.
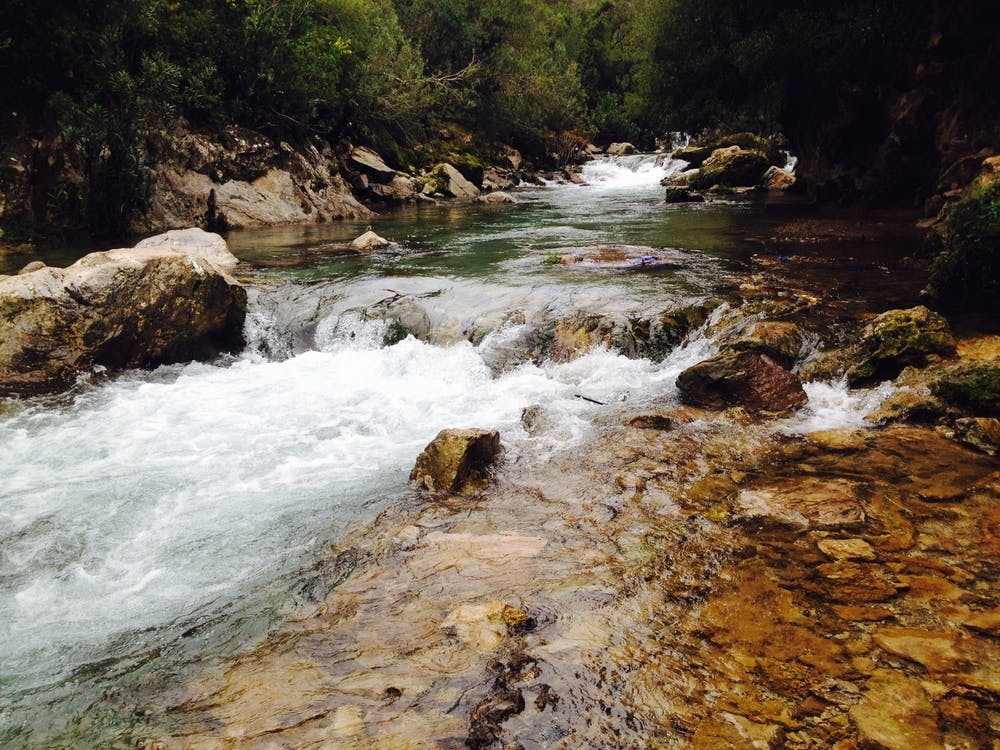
[965, 273]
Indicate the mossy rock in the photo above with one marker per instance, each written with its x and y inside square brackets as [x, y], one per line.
[456, 460]
[897, 339]
[733, 167]
[973, 386]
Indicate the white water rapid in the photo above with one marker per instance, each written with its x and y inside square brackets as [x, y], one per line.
[137, 508]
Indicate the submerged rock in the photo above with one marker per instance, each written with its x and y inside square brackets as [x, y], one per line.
[456, 459]
[896, 714]
[748, 379]
[808, 504]
[169, 299]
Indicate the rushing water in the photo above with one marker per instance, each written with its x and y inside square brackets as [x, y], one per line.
[164, 517]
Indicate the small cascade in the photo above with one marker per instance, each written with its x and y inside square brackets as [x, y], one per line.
[630, 172]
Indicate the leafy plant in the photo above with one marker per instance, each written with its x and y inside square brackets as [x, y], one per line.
[966, 273]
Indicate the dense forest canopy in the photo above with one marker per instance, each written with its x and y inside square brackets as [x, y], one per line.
[853, 85]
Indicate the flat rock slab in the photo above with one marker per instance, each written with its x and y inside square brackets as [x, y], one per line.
[808, 504]
[896, 714]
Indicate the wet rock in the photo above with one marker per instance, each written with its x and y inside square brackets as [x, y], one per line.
[897, 339]
[776, 178]
[896, 714]
[850, 582]
[693, 155]
[731, 166]
[406, 317]
[731, 730]
[841, 440]
[984, 622]
[856, 613]
[677, 194]
[680, 179]
[779, 340]
[973, 387]
[368, 242]
[488, 715]
[935, 651]
[621, 149]
[748, 379]
[809, 503]
[485, 626]
[846, 549]
[456, 459]
[168, 299]
[909, 405]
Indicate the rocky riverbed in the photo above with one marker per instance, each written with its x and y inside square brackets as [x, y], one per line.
[690, 578]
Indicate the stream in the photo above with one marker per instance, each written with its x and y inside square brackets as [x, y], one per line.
[158, 526]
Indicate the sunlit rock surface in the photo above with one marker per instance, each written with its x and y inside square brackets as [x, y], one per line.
[455, 459]
[168, 299]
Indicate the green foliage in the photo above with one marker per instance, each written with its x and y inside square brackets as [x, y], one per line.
[966, 273]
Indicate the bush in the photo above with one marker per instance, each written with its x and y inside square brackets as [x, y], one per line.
[965, 273]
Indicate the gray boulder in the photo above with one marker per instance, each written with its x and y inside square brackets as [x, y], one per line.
[169, 299]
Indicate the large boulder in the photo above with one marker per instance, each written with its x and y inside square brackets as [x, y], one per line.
[748, 379]
[897, 339]
[776, 178]
[456, 459]
[451, 182]
[371, 163]
[169, 299]
[621, 149]
[731, 167]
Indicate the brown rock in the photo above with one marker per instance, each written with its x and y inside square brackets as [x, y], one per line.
[896, 714]
[776, 178]
[847, 549]
[748, 379]
[731, 730]
[981, 433]
[810, 503]
[985, 622]
[456, 459]
[861, 614]
[779, 340]
[936, 651]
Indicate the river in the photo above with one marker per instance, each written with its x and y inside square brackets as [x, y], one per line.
[155, 523]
